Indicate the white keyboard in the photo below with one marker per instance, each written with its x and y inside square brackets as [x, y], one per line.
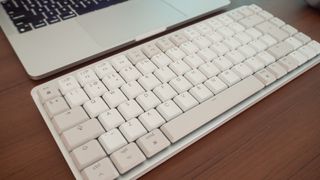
[124, 115]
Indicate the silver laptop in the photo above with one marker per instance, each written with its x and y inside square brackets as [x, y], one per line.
[51, 35]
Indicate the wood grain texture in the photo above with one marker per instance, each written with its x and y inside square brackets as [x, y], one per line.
[278, 138]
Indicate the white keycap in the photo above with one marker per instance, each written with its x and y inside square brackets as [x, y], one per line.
[130, 109]
[288, 63]
[132, 129]
[189, 48]
[111, 119]
[277, 70]
[112, 140]
[135, 55]
[179, 67]
[164, 44]
[276, 21]
[251, 21]
[114, 98]
[148, 100]
[86, 76]
[268, 40]
[145, 66]
[150, 50]
[95, 107]
[130, 73]
[265, 77]
[222, 63]
[302, 37]
[97, 171]
[254, 33]
[76, 97]
[178, 38]
[190, 33]
[185, 101]
[48, 92]
[161, 60]
[209, 69]
[269, 28]
[242, 70]
[69, 119]
[87, 154]
[225, 32]
[203, 28]
[132, 89]
[245, 11]
[255, 8]
[201, 42]
[153, 142]
[67, 84]
[149, 82]
[235, 57]
[95, 89]
[113, 81]
[207, 55]
[236, 27]
[254, 64]
[247, 51]
[175, 53]
[164, 74]
[307, 51]
[258, 45]
[289, 29]
[294, 42]
[127, 157]
[169, 110]
[214, 37]
[201, 92]
[266, 58]
[194, 61]
[180, 84]
[81, 134]
[280, 50]
[195, 77]
[120, 62]
[219, 48]
[55, 106]
[214, 23]
[300, 58]
[229, 77]
[151, 119]
[165, 92]
[102, 69]
[243, 38]
[315, 45]
[265, 14]
[215, 85]
[231, 43]
[226, 20]
[235, 15]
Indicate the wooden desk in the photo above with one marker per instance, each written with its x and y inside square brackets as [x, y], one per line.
[278, 138]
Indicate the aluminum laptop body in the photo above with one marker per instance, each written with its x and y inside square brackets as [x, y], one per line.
[48, 50]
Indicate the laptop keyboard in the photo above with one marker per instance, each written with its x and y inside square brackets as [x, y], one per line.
[32, 14]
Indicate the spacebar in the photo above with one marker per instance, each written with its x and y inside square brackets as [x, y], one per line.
[210, 109]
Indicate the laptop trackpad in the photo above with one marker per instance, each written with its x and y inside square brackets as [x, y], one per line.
[122, 22]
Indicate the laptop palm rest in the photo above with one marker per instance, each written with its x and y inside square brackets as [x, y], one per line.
[125, 21]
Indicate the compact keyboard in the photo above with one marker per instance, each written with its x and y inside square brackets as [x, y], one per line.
[32, 14]
[124, 115]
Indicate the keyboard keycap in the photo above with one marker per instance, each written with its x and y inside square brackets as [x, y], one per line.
[101, 170]
[130, 109]
[151, 119]
[127, 157]
[169, 110]
[153, 142]
[112, 140]
[185, 101]
[132, 129]
[55, 106]
[95, 107]
[111, 119]
[48, 92]
[87, 154]
[114, 98]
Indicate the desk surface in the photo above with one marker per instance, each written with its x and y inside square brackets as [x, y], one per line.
[278, 138]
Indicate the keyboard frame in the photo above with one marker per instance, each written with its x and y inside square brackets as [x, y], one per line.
[183, 143]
